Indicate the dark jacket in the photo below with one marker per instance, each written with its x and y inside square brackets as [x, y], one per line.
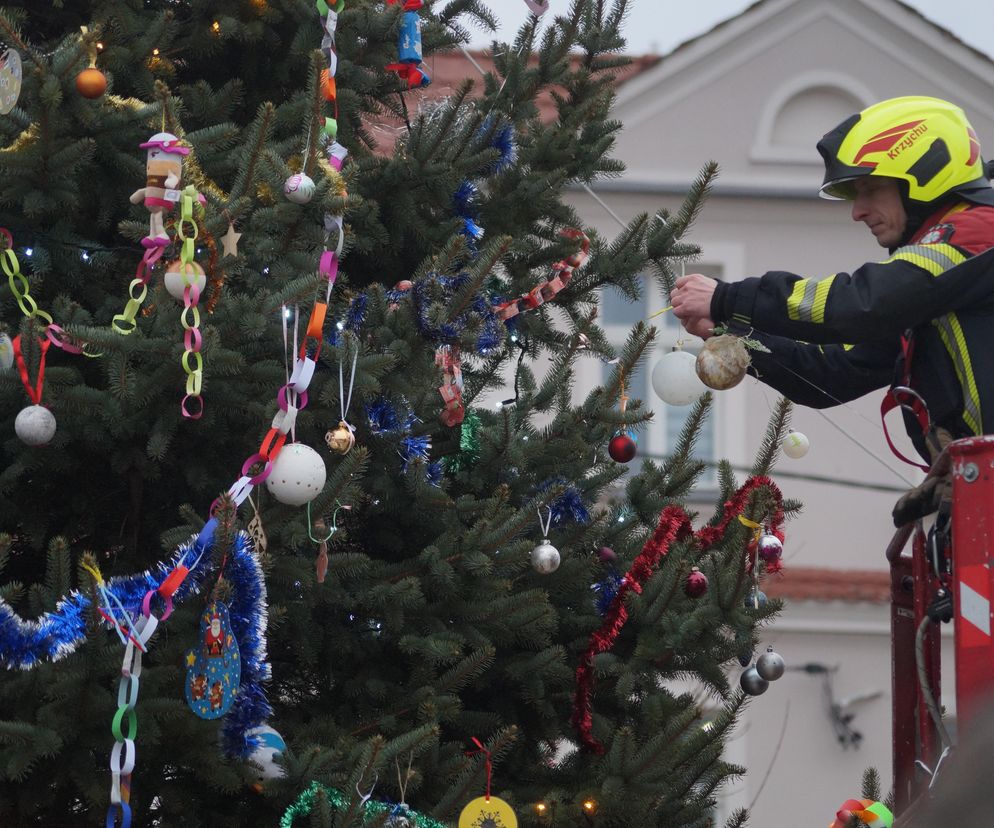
[937, 290]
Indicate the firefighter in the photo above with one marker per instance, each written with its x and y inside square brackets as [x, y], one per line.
[922, 319]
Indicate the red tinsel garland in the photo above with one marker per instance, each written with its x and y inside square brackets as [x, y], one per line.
[674, 524]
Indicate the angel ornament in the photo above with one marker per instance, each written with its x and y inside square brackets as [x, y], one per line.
[163, 174]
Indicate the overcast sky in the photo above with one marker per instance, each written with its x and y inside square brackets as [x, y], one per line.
[660, 25]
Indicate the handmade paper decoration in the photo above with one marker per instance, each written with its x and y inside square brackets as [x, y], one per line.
[213, 669]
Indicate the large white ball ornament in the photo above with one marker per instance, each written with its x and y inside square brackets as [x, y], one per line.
[795, 445]
[299, 188]
[545, 558]
[35, 425]
[271, 745]
[297, 475]
[675, 380]
[174, 282]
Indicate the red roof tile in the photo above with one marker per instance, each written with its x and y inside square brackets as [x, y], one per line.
[449, 69]
[799, 583]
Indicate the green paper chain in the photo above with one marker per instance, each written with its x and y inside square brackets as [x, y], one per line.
[305, 804]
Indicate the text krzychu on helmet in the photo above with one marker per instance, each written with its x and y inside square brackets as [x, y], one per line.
[926, 142]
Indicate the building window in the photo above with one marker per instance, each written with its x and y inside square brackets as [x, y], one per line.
[659, 438]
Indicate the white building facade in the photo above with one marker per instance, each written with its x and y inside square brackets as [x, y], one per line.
[755, 94]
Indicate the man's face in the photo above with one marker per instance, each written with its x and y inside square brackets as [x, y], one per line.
[878, 205]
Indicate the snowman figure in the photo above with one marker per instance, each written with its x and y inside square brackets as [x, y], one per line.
[163, 173]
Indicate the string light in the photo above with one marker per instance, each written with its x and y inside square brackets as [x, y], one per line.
[541, 808]
[100, 46]
[155, 52]
[590, 806]
[216, 27]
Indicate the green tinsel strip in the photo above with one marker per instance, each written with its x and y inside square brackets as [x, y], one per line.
[469, 444]
[305, 804]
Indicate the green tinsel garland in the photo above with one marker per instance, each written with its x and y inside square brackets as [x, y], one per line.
[305, 803]
[469, 444]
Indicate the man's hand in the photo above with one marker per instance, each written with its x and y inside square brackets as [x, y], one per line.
[691, 299]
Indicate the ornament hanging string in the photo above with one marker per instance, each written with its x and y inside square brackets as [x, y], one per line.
[545, 525]
[287, 356]
[488, 759]
[342, 399]
[34, 392]
[674, 524]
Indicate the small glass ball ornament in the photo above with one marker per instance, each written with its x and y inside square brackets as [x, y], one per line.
[752, 683]
[297, 475]
[35, 425]
[675, 380]
[770, 665]
[174, 281]
[299, 188]
[795, 445]
[722, 362]
[340, 439]
[545, 558]
[755, 598]
[622, 447]
[91, 83]
[696, 584]
[770, 548]
[606, 555]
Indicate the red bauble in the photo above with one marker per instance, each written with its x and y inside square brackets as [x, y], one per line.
[91, 83]
[697, 583]
[621, 448]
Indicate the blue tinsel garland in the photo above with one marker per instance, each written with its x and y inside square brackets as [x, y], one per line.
[56, 634]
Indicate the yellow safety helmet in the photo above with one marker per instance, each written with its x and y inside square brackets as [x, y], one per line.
[926, 142]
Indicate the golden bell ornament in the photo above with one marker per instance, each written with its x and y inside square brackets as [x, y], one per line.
[340, 439]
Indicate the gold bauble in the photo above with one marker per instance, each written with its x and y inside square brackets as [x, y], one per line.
[340, 439]
[722, 362]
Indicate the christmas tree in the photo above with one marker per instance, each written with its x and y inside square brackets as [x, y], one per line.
[408, 598]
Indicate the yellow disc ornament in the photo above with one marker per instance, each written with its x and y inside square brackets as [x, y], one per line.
[488, 813]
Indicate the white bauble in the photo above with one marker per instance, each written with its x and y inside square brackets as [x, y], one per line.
[545, 558]
[675, 380]
[297, 475]
[35, 425]
[299, 188]
[795, 445]
[6, 352]
[271, 744]
[173, 280]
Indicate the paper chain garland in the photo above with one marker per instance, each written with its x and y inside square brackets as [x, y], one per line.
[674, 524]
[547, 291]
[373, 812]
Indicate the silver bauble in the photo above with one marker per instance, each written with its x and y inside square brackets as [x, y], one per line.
[545, 558]
[770, 665]
[35, 425]
[752, 683]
